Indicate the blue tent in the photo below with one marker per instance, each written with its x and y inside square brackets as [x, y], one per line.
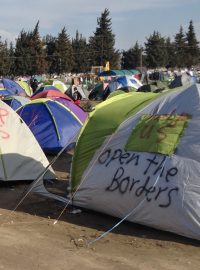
[5, 92]
[123, 83]
[13, 87]
[16, 102]
[53, 124]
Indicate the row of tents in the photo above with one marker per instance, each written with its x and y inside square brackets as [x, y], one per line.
[51, 115]
[126, 83]
[136, 157]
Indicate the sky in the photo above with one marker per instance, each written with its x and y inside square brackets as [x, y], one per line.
[132, 20]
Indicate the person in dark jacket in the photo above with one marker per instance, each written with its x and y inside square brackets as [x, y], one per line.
[76, 95]
[34, 85]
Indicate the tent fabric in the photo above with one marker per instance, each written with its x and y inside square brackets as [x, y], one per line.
[5, 92]
[148, 188]
[56, 83]
[115, 93]
[26, 87]
[45, 88]
[52, 123]
[78, 111]
[15, 102]
[120, 72]
[157, 134]
[13, 87]
[97, 92]
[60, 85]
[21, 157]
[65, 100]
[103, 90]
[124, 83]
[108, 116]
[50, 94]
[181, 80]
[70, 91]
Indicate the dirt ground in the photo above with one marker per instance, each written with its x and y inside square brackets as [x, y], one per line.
[29, 239]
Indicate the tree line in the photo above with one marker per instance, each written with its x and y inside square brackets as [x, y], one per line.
[32, 54]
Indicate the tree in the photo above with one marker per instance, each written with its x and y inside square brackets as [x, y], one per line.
[156, 53]
[38, 52]
[64, 53]
[12, 59]
[22, 63]
[101, 44]
[51, 57]
[180, 48]
[192, 48]
[30, 54]
[132, 57]
[4, 58]
[80, 50]
[170, 48]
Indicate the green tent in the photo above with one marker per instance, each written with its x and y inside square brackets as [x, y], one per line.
[26, 87]
[119, 72]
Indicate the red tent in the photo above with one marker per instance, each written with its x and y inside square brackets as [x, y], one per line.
[51, 93]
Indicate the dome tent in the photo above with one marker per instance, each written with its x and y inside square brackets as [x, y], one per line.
[13, 87]
[45, 88]
[65, 100]
[138, 157]
[123, 83]
[52, 123]
[21, 157]
[15, 102]
[56, 83]
[27, 88]
[50, 94]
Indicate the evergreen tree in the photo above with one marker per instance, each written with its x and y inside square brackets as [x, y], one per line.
[180, 48]
[4, 59]
[50, 43]
[12, 59]
[22, 63]
[192, 46]
[132, 58]
[80, 49]
[38, 52]
[101, 44]
[30, 53]
[156, 52]
[170, 47]
[64, 53]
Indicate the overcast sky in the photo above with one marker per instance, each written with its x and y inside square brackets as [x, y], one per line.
[131, 20]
